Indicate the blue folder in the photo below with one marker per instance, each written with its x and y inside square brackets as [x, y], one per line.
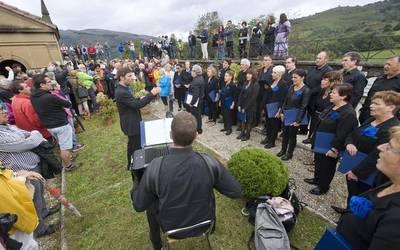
[323, 142]
[212, 94]
[228, 102]
[349, 162]
[290, 117]
[241, 116]
[332, 240]
[272, 109]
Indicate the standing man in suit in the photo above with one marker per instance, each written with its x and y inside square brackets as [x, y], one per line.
[129, 109]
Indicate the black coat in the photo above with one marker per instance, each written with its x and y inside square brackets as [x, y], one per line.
[380, 229]
[197, 89]
[129, 109]
[248, 98]
[358, 80]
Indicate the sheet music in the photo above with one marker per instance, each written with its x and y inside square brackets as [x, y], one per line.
[157, 131]
[189, 98]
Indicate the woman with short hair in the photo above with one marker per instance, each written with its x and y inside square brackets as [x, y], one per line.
[336, 124]
[274, 96]
[212, 92]
[373, 219]
[228, 102]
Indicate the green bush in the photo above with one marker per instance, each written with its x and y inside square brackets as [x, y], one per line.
[258, 172]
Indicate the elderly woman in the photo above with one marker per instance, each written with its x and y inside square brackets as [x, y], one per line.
[196, 95]
[247, 104]
[374, 217]
[80, 94]
[336, 124]
[273, 100]
[365, 139]
[293, 112]
[212, 90]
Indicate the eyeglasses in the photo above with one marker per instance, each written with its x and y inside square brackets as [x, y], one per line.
[389, 147]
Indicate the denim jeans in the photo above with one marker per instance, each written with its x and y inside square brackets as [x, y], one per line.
[220, 52]
[192, 53]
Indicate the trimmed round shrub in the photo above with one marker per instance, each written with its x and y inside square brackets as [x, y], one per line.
[258, 172]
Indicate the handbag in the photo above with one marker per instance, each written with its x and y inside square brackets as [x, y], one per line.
[82, 92]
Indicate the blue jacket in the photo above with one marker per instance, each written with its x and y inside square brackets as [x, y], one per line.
[204, 36]
[165, 85]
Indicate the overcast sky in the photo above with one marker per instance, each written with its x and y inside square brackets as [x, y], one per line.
[158, 17]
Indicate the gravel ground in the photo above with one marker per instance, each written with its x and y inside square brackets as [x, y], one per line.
[227, 145]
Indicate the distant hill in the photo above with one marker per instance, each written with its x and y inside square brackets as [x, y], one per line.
[364, 28]
[88, 36]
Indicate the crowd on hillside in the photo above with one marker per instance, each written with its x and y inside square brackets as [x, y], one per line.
[38, 108]
[250, 43]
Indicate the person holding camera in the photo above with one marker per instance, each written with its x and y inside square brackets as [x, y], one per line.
[184, 195]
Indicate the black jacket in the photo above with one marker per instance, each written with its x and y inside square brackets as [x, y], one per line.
[341, 124]
[196, 89]
[380, 229]
[50, 108]
[368, 145]
[248, 98]
[297, 100]
[129, 109]
[358, 80]
[314, 78]
[185, 190]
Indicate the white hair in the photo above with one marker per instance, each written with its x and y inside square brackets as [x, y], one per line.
[279, 69]
[245, 61]
[197, 69]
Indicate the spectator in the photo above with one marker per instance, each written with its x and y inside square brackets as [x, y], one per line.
[192, 45]
[255, 41]
[243, 38]
[87, 81]
[282, 31]
[204, 43]
[221, 42]
[269, 36]
[171, 208]
[50, 110]
[229, 39]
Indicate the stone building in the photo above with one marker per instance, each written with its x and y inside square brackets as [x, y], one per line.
[26, 39]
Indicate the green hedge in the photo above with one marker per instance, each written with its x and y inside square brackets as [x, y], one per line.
[258, 172]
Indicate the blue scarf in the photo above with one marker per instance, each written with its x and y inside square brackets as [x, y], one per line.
[370, 131]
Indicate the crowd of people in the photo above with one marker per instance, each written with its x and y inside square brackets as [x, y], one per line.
[38, 110]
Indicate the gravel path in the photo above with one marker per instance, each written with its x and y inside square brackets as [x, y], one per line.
[227, 145]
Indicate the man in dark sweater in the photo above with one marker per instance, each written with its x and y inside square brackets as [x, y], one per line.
[389, 81]
[50, 110]
[185, 195]
[352, 75]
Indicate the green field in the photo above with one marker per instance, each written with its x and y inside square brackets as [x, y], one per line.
[100, 189]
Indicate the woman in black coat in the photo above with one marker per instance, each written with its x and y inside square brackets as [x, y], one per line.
[247, 104]
[211, 95]
[295, 103]
[228, 102]
[365, 139]
[273, 100]
[374, 218]
[336, 124]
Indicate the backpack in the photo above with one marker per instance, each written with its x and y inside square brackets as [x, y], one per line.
[269, 233]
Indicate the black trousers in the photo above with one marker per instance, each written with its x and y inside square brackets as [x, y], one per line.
[196, 112]
[325, 168]
[313, 123]
[229, 48]
[242, 50]
[154, 228]
[355, 188]
[180, 96]
[289, 139]
[212, 112]
[133, 145]
[227, 115]
[273, 127]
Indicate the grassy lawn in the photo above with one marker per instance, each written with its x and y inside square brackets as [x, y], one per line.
[100, 189]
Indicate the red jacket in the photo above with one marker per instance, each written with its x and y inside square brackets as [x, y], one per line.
[91, 50]
[26, 117]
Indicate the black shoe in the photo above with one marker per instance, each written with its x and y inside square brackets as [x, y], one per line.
[228, 132]
[264, 131]
[199, 131]
[311, 181]
[317, 191]
[307, 141]
[303, 132]
[51, 228]
[245, 137]
[265, 141]
[340, 210]
[238, 128]
[53, 210]
[179, 109]
[269, 145]
[281, 153]
[239, 137]
[223, 130]
[286, 157]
